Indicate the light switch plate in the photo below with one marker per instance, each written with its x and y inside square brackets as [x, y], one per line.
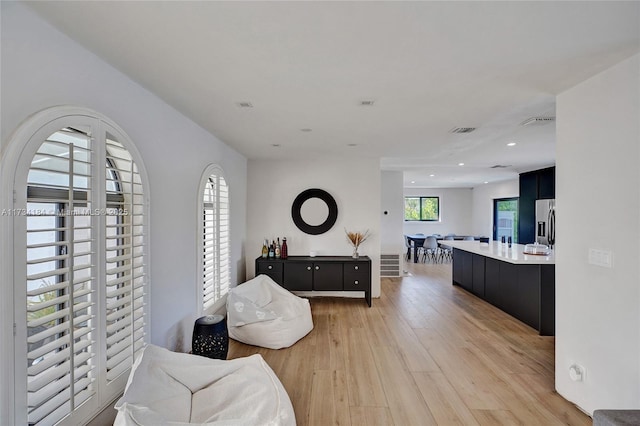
[603, 258]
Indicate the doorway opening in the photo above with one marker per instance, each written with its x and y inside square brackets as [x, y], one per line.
[505, 219]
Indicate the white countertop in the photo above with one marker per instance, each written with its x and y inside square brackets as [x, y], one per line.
[499, 251]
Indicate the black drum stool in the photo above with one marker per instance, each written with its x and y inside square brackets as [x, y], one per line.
[210, 337]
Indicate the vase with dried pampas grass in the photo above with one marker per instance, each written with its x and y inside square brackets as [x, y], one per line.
[355, 239]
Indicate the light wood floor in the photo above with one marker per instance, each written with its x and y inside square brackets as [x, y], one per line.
[426, 353]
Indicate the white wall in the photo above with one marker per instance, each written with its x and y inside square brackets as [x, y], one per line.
[482, 204]
[355, 185]
[598, 206]
[455, 211]
[41, 68]
[392, 202]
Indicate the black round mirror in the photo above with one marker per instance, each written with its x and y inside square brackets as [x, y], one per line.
[308, 209]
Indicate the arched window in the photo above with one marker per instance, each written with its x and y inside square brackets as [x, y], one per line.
[214, 247]
[79, 267]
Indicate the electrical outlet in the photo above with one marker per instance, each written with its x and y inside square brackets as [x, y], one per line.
[576, 373]
[603, 258]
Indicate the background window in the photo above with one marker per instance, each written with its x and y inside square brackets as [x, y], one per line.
[215, 264]
[422, 208]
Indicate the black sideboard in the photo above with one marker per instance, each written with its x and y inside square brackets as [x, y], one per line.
[321, 273]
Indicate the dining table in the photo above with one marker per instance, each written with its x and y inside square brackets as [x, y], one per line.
[418, 241]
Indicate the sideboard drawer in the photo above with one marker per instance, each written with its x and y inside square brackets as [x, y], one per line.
[356, 276]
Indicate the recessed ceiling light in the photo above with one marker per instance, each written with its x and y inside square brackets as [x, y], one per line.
[306, 130]
[244, 104]
[486, 181]
[511, 144]
[413, 181]
[431, 175]
[460, 164]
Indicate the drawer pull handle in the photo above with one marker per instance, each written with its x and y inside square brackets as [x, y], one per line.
[270, 267]
[317, 268]
[356, 282]
[356, 268]
[308, 268]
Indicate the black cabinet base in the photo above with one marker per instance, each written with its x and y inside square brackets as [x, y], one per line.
[322, 273]
[524, 291]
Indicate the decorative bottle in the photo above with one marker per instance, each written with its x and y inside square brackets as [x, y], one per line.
[284, 252]
[278, 249]
[272, 251]
[265, 250]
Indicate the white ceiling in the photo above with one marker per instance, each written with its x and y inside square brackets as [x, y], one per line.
[428, 67]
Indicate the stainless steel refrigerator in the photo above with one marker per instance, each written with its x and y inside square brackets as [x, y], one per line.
[546, 222]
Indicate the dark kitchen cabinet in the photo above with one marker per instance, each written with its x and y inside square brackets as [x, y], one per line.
[458, 266]
[463, 269]
[528, 300]
[535, 185]
[492, 282]
[322, 273]
[547, 183]
[477, 285]
[508, 284]
[524, 291]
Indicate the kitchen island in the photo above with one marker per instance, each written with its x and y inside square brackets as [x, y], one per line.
[522, 285]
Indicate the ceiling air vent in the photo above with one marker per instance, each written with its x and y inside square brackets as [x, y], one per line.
[244, 104]
[462, 130]
[537, 121]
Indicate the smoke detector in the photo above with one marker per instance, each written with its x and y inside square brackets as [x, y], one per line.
[537, 121]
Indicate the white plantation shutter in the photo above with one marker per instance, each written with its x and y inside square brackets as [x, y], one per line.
[124, 253]
[79, 221]
[215, 239]
[61, 298]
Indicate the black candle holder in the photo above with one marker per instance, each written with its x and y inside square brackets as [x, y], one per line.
[210, 337]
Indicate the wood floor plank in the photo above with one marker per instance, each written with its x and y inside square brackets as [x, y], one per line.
[443, 401]
[330, 405]
[495, 418]
[415, 355]
[371, 416]
[427, 352]
[406, 404]
[363, 382]
[341, 397]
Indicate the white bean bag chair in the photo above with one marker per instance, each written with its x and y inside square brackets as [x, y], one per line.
[261, 313]
[170, 388]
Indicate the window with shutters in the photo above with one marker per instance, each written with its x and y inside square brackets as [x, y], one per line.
[215, 263]
[79, 284]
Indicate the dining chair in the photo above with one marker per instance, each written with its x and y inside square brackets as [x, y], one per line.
[409, 245]
[447, 252]
[430, 249]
